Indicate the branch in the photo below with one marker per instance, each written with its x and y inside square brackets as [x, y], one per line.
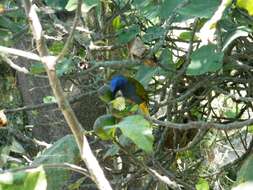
[44, 105]
[201, 124]
[49, 62]
[71, 34]
[20, 53]
[13, 65]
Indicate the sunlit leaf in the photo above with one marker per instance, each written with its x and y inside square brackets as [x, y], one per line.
[246, 4]
[30, 179]
[49, 99]
[139, 130]
[202, 184]
[71, 5]
[100, 129]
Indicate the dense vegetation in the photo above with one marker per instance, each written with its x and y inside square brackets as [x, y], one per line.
[193, 59]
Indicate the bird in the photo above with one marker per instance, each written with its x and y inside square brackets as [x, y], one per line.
[131, 90]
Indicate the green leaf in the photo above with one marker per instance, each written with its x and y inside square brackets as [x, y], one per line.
[116, 23]
[71, 5]
[245, 173]
[126, 35]
[202, 184]
[7, 23]
[153, 33]
[121, 107]
[112, 151]
[139, 130]
[37, 68]
[17, 147]
[166, 59]
[57, 4]
[56, 47]
[147, 8]
[64, 150]
[105, 93]
[118, 103]
[200, 8]
[187, 36]
[49, 99]
[250, 129]
[145, 74]
[205, 59]
[246, 4]
[64, 67]
[100, 124]
[167, 8]
[31, 179]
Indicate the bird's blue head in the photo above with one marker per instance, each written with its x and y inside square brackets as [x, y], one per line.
[117, 83]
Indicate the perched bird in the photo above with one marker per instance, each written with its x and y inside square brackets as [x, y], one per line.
[131, 89]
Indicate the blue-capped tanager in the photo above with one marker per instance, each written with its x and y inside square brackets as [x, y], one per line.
[131, 89]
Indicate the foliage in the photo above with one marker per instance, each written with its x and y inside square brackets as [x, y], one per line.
[191, 83]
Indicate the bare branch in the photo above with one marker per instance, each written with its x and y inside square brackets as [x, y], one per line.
[49, 62]
[20, 53]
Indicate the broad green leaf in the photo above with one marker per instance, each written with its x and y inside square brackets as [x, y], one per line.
[245, 173]
[240, 31]
[126, 35]
[16, 147]
[246, 4]
[147, 8]
[64, 150]
[49, 99]
[30, 179]
[205, 59]
[71, 5]
[56, 4]
[100, 124]
[145, 74]
[105, 93]
[139, 130]
[167, 7]
[64, 67]
[200, 8]
[37, 68]
[153, 33]
[7, 23]
[166, 59]
[202, 184]
[112, 151]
